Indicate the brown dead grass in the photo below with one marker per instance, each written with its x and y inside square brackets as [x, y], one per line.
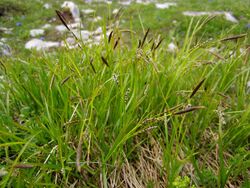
[145, 170]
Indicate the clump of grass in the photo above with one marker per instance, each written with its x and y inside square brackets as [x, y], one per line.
[133, 117]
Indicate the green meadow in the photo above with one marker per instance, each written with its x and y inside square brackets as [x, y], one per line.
[129, 111]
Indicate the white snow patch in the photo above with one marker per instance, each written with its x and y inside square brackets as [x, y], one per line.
[164, 5]
[36, 32]
[40, 45]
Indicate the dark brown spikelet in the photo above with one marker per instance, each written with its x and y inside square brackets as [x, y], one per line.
[62, 18]
[159, 43]
[150, 40]
[139, 44]
[110, 36]
[189, 109]
[116, 43]
[217, 55]
[24, 166]
[197, 88]
[105, 61]
[92, 66]
[233, 37]
[64, 21]
[65, 80]
[153, 46]
[144, 38]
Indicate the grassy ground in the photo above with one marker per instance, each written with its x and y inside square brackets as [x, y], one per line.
[130, 116]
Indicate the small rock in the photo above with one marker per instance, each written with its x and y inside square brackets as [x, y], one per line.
[164, 5]
[18, 24]
[6, 30]
[172, 47]
[46, 26]
[3, 40]
[52, 20]
[3, 172]
[70, 40]
[248, 87]
[36, 32]
[115, 11]
[47, 6]
[5, 49]
[88, 11]
[88, 1]
[84, 34]
[38, 44]
[144, 2]
[98, 31]
[230, 17]
[126, 2]
[70, 43]
[73, 8]
[96, 19]
[62, 28]
[213, 50]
